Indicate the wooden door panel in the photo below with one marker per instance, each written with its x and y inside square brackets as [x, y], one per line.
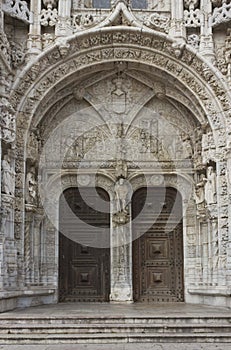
[158, 257]
[84, 272]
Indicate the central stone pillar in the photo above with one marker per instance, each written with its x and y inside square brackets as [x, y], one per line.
[121, 256]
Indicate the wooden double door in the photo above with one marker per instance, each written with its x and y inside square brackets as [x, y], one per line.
[84, 253]
[157, 245]
[84, 269]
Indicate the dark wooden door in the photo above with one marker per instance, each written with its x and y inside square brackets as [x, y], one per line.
[158, 253]
[84, 269]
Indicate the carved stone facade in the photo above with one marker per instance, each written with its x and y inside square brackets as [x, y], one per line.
[118, 99]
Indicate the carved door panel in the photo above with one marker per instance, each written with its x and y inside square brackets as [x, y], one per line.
[158, 253]
[84, 271]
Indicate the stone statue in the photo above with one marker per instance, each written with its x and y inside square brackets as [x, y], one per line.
[31, 187]
[200, 191]
[122, 194]
[8, 176]
[210, 186]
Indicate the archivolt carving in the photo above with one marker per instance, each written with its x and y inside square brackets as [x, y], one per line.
[131, 54]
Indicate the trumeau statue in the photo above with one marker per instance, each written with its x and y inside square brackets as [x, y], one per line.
[123, 193]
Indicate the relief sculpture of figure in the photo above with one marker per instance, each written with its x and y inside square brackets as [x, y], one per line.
[118, 97]
[210, 186]
[8, 176]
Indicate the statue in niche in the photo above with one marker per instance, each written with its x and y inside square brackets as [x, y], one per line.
[8, 176]
[200, 191]
[210, 186]
[118, 97]
[31, 187]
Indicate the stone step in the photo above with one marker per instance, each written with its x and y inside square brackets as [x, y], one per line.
[88, 329]
[168, 320]
[112, 338]
[111, 328]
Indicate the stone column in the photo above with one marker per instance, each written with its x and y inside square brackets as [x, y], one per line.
[37, 249]
[206, 43]
[63, 27]
[222, 208]
[34, 40]
[177, 30]
[204, 232]
[28, 234]
[121, 258]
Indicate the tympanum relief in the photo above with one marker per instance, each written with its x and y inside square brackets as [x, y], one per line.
[134, 122]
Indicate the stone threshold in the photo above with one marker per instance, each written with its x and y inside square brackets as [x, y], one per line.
[25, 293]
[213, 292]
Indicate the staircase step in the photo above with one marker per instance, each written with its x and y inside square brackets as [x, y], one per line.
[110, 328]
[113, 338]
[117, 320]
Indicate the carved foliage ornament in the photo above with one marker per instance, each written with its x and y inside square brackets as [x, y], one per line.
[49, 17]
[158, 22]
[18, 9]
[221, 14]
